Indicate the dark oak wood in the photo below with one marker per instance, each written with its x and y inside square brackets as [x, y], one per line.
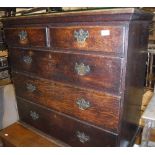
[63, 98]
[113, 78]
[120, 14]
[134, 79]
[104, 75]
[12, 37]
[100, 38]
[16, 135]
[63, 127]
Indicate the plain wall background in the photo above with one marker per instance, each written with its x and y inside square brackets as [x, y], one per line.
[8, 106]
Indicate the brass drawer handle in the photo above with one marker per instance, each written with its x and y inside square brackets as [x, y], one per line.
[83, 138]
[34, 115]
[30, 87]
[83, 104]
[81, 35]
[27, 59]
[22, 35]
[82, 69]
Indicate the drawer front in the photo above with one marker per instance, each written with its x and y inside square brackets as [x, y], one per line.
[31, 88]
[97, 108]
[65, 128]
[95, 72]
[88, 38]
[26, 36]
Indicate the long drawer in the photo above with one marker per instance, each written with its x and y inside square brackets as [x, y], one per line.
[89, 71]
[71, 131]
[97, 108]
[104, 39]
[26, 36]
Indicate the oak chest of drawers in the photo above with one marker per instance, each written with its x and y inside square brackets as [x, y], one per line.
[79, 76]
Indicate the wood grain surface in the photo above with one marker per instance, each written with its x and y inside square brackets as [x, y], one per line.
[35, 37]
[64, 128]
[16, 135]
[63, 98]
[104, 74]
[100, 38]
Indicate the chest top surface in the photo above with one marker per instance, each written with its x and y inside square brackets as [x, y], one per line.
[118, 14]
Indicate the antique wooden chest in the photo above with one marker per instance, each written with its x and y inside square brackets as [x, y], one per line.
[79, 76]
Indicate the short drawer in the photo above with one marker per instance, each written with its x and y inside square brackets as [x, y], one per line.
[97, 108]
[89, 71]
[71, 131]
[26, 36]
[107, 39]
